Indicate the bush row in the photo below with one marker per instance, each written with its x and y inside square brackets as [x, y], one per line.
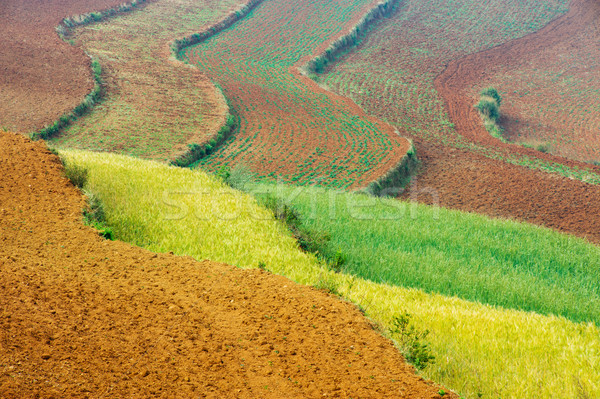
[196, 152]
[180, 44]
[319, 63]
[396, 178]
[67, 24]
[92, 98]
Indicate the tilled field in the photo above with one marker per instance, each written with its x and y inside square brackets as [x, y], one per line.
[290, 127]
[152, 106]
[84, 317]
[417, 79]
[551, 84]
[41, 77]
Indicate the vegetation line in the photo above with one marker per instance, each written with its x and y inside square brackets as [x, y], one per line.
[64, 29]
[400, 174]
[397, 177]
[319, 63]
[180, 44]
[89, 101]
[198, 151]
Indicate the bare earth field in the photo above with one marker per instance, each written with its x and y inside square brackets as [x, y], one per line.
[84, 317]
[551, 85]
[41, 77]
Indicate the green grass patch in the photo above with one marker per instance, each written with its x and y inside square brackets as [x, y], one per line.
[498, 262]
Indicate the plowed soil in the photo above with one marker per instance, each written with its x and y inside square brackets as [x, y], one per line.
[410, 49]
[41, 77]
[291, 127]
[467, 181]
[551, 85]
[84, 317]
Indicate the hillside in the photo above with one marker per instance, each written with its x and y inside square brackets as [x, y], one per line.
[425, 83]
[86, 316]
[300, 198]
[452, 272]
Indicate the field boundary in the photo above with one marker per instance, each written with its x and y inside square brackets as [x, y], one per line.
[66, 26]
[392, 183]
[400, 174]
[178, 45]
[196, 152]
[63, 30]
[351, 39]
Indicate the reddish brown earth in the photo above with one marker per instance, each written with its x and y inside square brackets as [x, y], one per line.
[551, 85]
[468, 181]
[84, 317]
[290, 127]
[41, 77]
[456, 82]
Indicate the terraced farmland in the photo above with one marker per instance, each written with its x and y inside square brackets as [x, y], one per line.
[463, 165]
[41, 77]
[392, 73]
[153, 107]
[291, 128]
[551, 90]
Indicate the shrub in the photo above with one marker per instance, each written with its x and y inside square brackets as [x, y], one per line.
[76, 173]
[412, 342]
[493, 93]
[489, 109]
[544, 147]
[94, 216]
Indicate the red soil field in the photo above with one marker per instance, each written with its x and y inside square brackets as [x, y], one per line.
[41, 77]
[457, 81]
[460, 178]
[291, 127]
[84, 317]
[471, 182]
[551, 90]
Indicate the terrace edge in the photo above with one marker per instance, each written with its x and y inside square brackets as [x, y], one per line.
[64, 29]
[197, 151]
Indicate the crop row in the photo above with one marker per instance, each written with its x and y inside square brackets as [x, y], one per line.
[392, 73]
[288, 129]
[152, 107]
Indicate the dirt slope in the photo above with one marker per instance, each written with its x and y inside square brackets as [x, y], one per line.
[84, 317]
[41, 77]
